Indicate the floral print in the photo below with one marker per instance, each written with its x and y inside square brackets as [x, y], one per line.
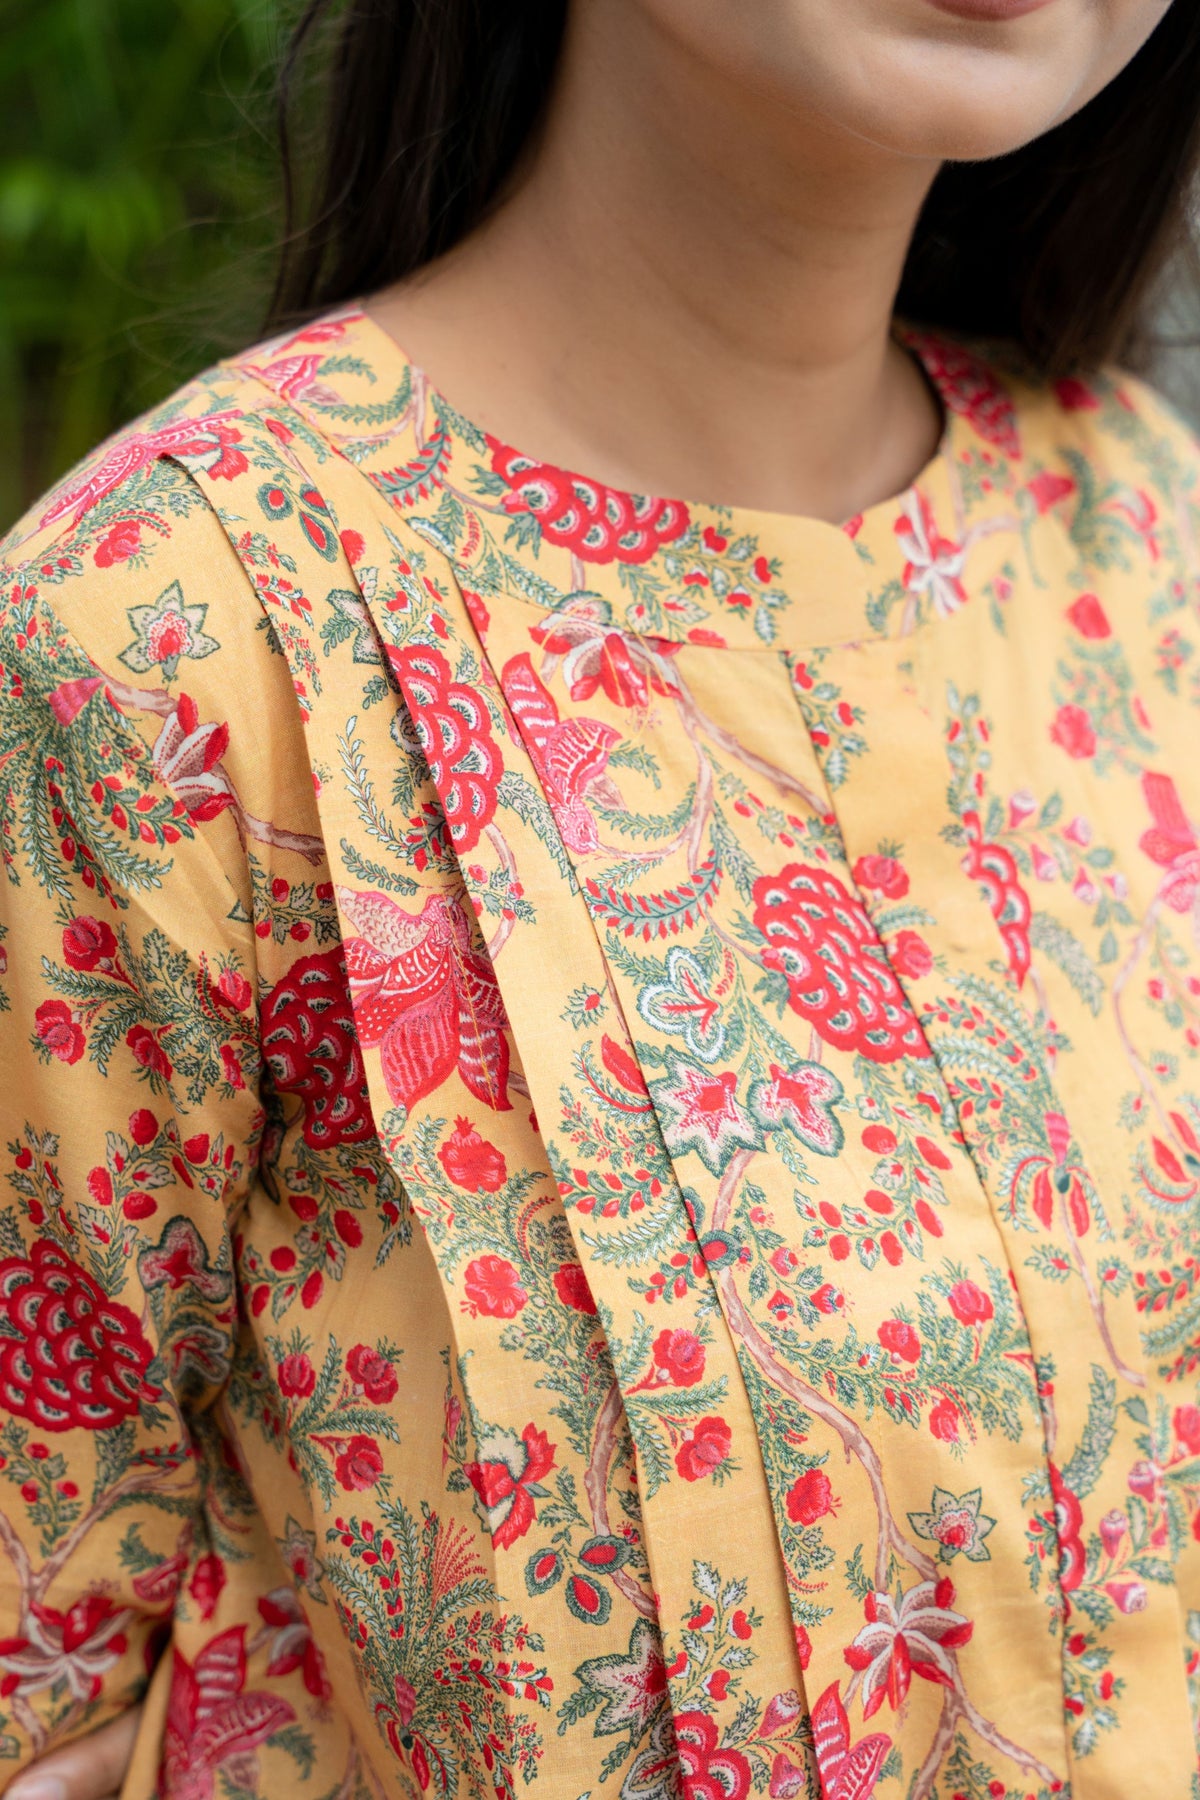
[602, 1133]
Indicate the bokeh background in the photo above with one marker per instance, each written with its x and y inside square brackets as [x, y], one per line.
[138, 210]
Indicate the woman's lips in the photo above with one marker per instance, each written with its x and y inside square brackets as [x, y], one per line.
[989, 9]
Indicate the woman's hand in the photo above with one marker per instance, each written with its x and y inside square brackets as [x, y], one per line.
[92, 1768]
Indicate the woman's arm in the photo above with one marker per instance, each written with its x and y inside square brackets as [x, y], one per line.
[130, 1114]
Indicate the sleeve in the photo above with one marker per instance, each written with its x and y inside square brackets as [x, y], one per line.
[131, 1119]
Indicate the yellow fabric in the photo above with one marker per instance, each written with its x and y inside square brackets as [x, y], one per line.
[601, 1106]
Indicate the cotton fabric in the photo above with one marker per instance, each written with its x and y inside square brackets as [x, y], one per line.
[602, 1106]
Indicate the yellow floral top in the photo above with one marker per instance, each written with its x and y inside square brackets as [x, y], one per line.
[601, 1107]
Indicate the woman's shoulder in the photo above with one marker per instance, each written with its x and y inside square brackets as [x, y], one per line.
[140, 483]
[1108, 413]
[169, 518]
[1106, 451]
[152, 583]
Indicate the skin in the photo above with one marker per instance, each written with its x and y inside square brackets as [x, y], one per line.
[707, 237]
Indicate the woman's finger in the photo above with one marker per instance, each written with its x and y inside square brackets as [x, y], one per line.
[92, 1768]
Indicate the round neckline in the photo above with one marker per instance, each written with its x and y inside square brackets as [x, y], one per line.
[912, 339]
[680, 569]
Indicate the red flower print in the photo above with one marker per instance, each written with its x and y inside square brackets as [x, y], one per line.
[810, 1498]
[73, 1650]
[359, 1465]
[624, 672]
[911, 955]
[943, 1421]
[709, 1773]
[935, 563]
[292, 1642]
[625, 668]
[59, 1031]
[212, 1722]
[1187, 1428]
[187, 759]
[1068, 1519]
[69, 1356]
[571, 1286]
[148, 1051]
[571, 758]
[311, 1050]
[1075, 395]
[883, 873]
[1089, 617]
[296, 1376]
[426, 996]
[969, 1304]
[915, 1637]
[180, 1259]
[87, 943]
[995, 869]
[1171, 842]
[208, 1578]
[1048, 489]
[705, 1451]
[454, 730]
[625, 1072]
[819, 937]
[143, 1126]
[506, 1477]
[373, 1373]
[1072, 731]
[846, 1773]
[679, 1355]
[600, 524]
[492, 1287]
[119, 544]
[900, 1340]
[471, 1162]
[235, 990]
[231, 1068]
[970, 387]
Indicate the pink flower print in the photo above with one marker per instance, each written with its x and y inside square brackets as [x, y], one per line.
[1021, 806]
[426, 997]
[211, 1722]
[570, 757]
[1171, 842]
[294, 379]
[137, 450]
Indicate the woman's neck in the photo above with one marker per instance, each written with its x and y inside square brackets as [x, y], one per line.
[688, 290]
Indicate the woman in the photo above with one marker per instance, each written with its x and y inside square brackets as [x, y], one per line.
[602, 1092]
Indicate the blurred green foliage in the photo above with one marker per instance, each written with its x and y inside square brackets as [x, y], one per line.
[138, 208]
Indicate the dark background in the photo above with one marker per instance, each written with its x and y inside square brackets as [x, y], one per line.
[138, 209]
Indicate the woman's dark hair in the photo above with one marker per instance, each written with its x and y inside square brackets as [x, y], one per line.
[427, 105]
